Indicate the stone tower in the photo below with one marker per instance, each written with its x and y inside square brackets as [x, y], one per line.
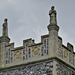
[49, 57]
[4, 40]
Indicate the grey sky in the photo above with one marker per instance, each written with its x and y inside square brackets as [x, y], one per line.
[29, 19]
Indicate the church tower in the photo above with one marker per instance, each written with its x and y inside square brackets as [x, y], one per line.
[48, 57]
[4, 40]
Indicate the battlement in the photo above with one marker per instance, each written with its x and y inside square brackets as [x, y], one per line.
[31, 52]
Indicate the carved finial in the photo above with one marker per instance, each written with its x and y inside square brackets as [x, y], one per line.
[52, 14]
[5, 28]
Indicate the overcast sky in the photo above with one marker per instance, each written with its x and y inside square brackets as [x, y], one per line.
[29, 19]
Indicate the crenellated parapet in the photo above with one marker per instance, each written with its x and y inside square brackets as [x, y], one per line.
[31, 52]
